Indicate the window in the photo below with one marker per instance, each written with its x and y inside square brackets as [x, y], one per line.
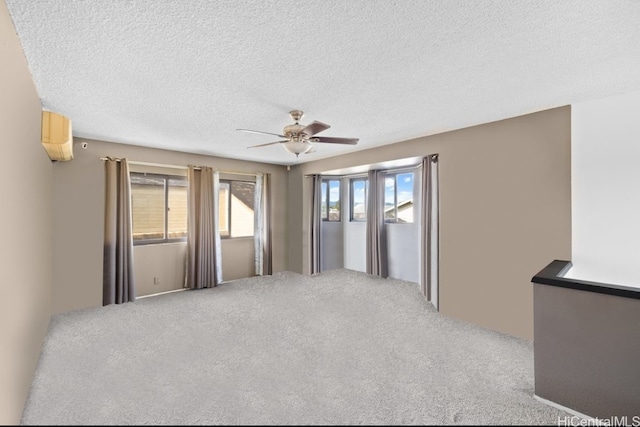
[330, 200]
[236, 210]
[158, 208]
[398, 197]
[358, 199]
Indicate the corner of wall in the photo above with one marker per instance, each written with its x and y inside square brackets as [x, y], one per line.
[25, 306]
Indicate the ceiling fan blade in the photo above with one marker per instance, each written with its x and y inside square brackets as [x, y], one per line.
[259, 131]
[351, 141]
[269, 143]
[314, 127]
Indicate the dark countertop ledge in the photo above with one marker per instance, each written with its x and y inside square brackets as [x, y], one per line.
[552, 275]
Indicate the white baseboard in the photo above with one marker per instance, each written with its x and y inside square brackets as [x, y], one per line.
[161, 293]
[563, 408]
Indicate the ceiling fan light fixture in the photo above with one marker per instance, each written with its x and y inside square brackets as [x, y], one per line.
[297, 147]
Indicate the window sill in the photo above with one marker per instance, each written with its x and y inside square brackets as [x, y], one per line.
[135, 245]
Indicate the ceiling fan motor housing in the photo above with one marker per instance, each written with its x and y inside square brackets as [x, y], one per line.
[293, 130]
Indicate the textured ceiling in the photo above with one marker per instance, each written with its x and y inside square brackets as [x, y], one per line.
[184, 74]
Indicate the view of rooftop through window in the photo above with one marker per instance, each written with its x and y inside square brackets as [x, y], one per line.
[330, 198]
[159, 207]
[398, 197]
[359, 199]
[235, 209]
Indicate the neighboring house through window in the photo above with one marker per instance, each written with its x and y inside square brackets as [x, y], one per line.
[398, 197]
[358, 199]
[158, 207]
[330, 200]
[236, 208]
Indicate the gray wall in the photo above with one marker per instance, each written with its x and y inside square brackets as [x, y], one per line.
[403, 251]
[332, 245]
[79, 220]
[355, 246]
[586, 351]
[505, 210]
[27, 175]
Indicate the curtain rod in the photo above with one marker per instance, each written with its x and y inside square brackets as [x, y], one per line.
[133, 162]
[360, 174]
[349, 175]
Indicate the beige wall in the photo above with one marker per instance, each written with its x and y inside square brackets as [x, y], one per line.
[25, 304]
[79, 216]
[167, 263]
[297, 190]
[505, 212]
[238, 259]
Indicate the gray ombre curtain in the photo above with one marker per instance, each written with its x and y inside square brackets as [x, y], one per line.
[429, 236]
[204, 267]
[316, 223]
[262, 229]
[377, 263]
[117, 278]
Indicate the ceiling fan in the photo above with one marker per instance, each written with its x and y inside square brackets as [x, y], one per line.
[300, 138]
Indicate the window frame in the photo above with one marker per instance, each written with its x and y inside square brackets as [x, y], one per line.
[165, 239]
[229, 210]
[352, 181]
[327, 193]
[395, 174]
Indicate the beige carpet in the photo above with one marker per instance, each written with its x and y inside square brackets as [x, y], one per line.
[341, 348]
